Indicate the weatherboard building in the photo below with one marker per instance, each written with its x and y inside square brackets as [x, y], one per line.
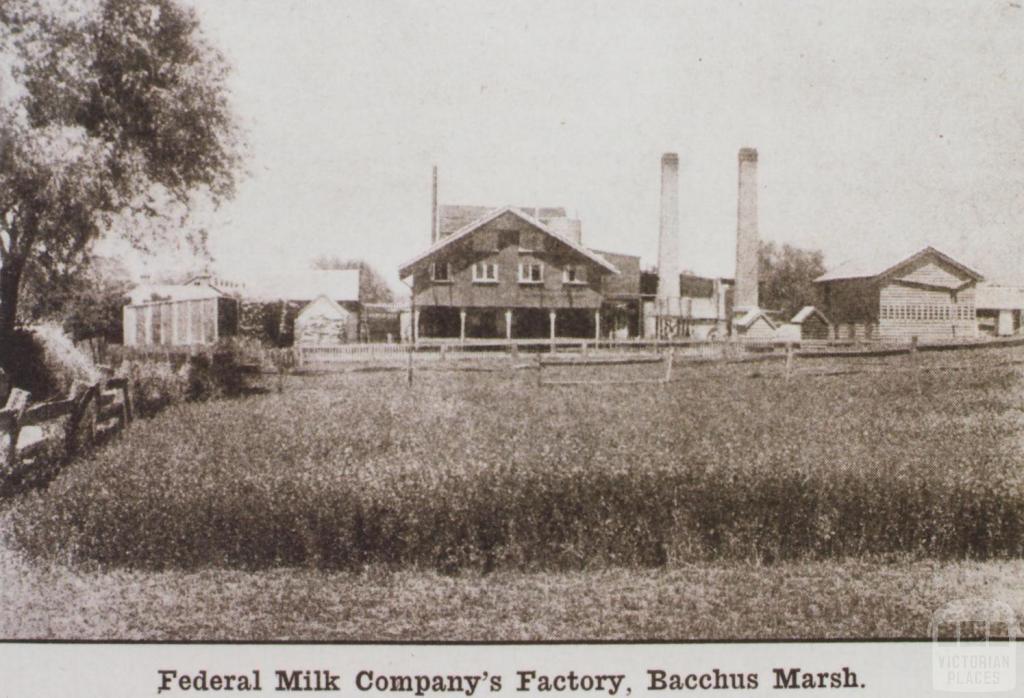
[519, 273]
[928, 295]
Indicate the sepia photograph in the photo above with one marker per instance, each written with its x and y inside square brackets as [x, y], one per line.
[486, 322]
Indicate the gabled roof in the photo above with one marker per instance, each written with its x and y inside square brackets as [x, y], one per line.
[469, 228]
[869, 267]
[806, 312]
[323, 299]
[452, 218]
[337, 284]
[751, 316]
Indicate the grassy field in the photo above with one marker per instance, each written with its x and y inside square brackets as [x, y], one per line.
[823, 599]
[475, 504]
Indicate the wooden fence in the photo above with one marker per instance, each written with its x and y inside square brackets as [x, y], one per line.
[432, 349]
[89, 412]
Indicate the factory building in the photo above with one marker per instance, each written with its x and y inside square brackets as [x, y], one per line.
[928, 295]
[515, 272]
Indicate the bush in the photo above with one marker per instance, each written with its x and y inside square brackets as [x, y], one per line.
[161, 380]
[157, 385]
[45, 362]
[489, 471]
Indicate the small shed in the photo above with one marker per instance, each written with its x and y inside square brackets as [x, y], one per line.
[755, 324]
[1000, 309]
[179, 316]
[323, 322]
[809, 323]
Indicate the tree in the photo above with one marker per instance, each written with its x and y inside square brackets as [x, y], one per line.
[786, 277]
[94, 312]
[113, 118]
[372, 286]
[87, 301]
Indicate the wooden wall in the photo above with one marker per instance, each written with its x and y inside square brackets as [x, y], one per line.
[499, 242]
[180, 323]
[926, 313]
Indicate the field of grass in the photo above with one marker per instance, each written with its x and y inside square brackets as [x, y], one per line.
[716, 601]
[726, 503]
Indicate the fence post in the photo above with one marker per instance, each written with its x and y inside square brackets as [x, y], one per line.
[17, 401]
[915, 364]
[410, 365]
[127, 390]
[540, 369]
[668, 364]
[81, 393]
[789, 360]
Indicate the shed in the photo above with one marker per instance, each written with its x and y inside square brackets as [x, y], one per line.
[324, 322]
[1000, 309]
[755, 324]
[809, 323]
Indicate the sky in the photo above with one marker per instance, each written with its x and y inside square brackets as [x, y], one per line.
[881, 126]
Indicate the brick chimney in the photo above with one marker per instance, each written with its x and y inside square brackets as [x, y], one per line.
[747, 242]
[433, 209]
[668, 231]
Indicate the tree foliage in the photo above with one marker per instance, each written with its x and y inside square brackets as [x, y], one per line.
[372, 286]
[113, 117]
[786, 277]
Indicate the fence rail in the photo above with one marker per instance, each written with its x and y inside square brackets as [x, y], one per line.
[326, 356]
[96, 409]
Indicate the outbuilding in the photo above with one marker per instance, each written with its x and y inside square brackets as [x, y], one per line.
[929, 295]
[1000, 309]
[323, 322]
[808, 324]
[179, 315]
[755, 324]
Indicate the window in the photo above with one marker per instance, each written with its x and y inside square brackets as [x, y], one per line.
[573, 274]
[441, 271]
[485, 273]
[531, 273]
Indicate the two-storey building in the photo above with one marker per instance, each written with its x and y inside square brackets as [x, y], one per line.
[512, 273]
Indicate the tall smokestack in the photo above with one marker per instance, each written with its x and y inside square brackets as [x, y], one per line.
[747, 242]
[668, 232]
[433, 210]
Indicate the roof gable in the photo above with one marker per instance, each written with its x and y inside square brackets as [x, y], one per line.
[869, 267]
[452, 218]
[806, 313]
[325, 307]
[752, 316]
[405, 269]
[930, 274]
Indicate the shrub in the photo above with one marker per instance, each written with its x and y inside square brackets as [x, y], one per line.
[156, 384]
[45, 362]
